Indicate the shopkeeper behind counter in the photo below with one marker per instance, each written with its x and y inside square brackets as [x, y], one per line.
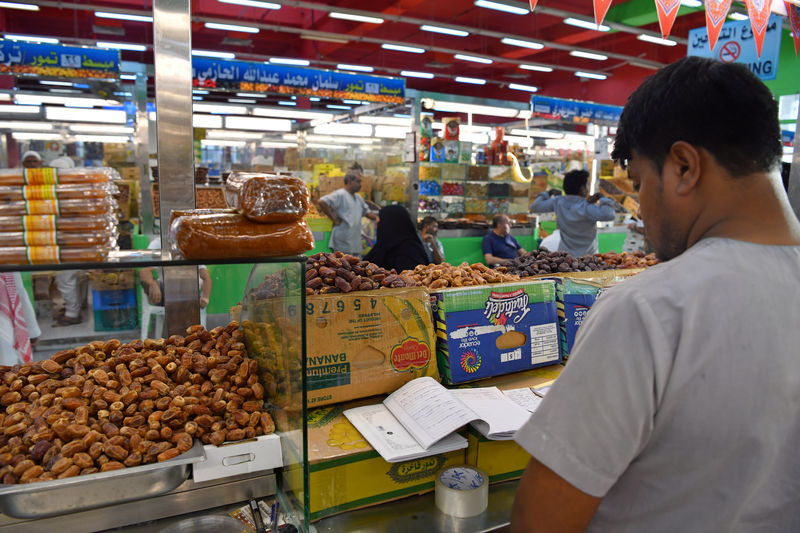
[499, 246]
[345, 208]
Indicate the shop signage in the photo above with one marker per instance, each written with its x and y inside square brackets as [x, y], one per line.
[57, 61]
[574, 110]
[262, 78]
[736, 44]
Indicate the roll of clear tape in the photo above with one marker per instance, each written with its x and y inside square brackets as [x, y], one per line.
[462, 491]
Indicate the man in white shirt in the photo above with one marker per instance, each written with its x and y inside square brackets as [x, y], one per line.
[679, 409]
[346, 208]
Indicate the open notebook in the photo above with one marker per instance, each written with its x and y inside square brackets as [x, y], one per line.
[420, 418]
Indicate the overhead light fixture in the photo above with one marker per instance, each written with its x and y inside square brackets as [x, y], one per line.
[17, 5]
[502, 6]
[197, 98]
[122, 46]
[253, 3]
[19, 109]
[122, 16]
[335, 106]
[656, 40]
[518, 87]
[588, 55]
[492, 111]
[127, 76]
[247, 95]
[352, 102]
[220, 109]
[537, 68]
[357, 68]
[349, 129]
[587, 24]
[444, 30]
[524, 44]
[223, 142]
[290, 113]
[276, 144]
[326, 146]
[343, 139]
[65, 91]
[287, 103]
[96, 128]
[58, 83]
[391, 132]
[385, 121]
[474, 59]
[314, 99]
[230, 134]
[324, 38]
[692, 3]
[103, 138]
[260, 124]
[538, 133]
[401, 48]
[590, 75]
[524, 142]
[414, 74]
[211, 53]
[206, 121]
[20, 125]
[289, 61]
[35, 136]
[241, 100]
[737, 16]
[30, 38]
[473, 81]
[199, 91]
[39, 99]
[111, 116]
[231, 27]
[357, 18]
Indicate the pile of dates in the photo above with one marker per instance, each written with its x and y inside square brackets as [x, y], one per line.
[541, 262]
[338, 272]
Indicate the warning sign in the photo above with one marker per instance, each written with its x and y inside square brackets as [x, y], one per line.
[730, 52]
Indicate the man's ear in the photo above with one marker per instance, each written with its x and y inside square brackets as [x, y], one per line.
[684, 165]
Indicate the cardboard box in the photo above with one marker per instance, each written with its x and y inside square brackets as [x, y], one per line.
[366, 343]
[245, 457]
[489, 330]
[347, 473]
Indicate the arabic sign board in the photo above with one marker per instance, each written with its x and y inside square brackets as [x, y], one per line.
[57, 61]
[262, 78]
[737, 44]
[574, 110]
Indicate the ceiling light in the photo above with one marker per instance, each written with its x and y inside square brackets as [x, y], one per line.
[500, 6]
[357, 18]
[473, 59]
[223, 142]
[334, 106]
[473, 81]
[65, 91]
[127, 76]
[19, 125]
[588, 55]
[442, 29]
[524, 142]
[538, 133]
[229, 134]
[537, 68]
[518, 87]
[36, 136]
[122, 46]
[196, 98]
[591, 75]
[350, 129]
[252, 3]
[343, 139]
[199, 91]
[413, 74]
[656, 40]
[210, 53]
[16, 5]
[692, 3]
[231, 27]
[324, 38]
[122, 16]
[20, 109]
[288, 61]
[276, 144]
[103, 138]
[97, 128]
[737, 16]
[314, 99]
[59, 83]
[206, 121]
[287, 103]
[519, 42]
[455, 107]
[249, 95]
[358, 68]
[220, 109]
[326, 146]
[290, 113]
[588, 24]
[261, 124]
[31, 38]
[352, 102]
[241, 100]
[38, 99]
[111, 116]
[386, 121]
[391, 132]
[400, 48]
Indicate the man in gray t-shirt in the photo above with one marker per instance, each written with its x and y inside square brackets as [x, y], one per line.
[679, 409]
[346, 208]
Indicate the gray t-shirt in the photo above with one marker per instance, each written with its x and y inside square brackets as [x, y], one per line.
[680, 404]
[346, 237]
[576, 219]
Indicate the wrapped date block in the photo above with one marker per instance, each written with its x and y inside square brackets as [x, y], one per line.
[267, 198]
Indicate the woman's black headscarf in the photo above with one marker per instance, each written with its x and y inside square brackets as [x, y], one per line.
[398, 245]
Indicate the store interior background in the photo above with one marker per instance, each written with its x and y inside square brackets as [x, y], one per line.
[509, 57]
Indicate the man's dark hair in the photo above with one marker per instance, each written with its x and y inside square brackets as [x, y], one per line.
[497, 220]
[350, 176]
[722, 107]
[427, 221]
[357, 167]
[574, 180]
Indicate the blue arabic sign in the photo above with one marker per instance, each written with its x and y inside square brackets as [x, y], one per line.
[574, 110]
[737, 44]
[57, 61]
[262, 78]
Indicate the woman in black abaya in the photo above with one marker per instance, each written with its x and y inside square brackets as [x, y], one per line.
[398, 245]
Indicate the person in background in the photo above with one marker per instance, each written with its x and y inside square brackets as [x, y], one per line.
[357, 169]
[346, 208]
[679, 408]
[428, 228]
[154, 288]
[576, 215]
[19, 329]
[31, 159]
[398, 244]
[499, 246]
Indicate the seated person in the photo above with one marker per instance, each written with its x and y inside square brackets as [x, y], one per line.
[576, 215]
[499, 246]
[427, 232]
[398, 245]
[154, 288]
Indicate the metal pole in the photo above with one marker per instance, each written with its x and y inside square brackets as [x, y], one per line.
[173, 68]
[413, 173]
[794, 173]
[143, 154]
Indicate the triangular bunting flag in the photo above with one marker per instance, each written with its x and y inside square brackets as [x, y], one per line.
[667, 11]
[794, 21]
[716, 11]
[533, 4]
[758, 11]
[600, 10]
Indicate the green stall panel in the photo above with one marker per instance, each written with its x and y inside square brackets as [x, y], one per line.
[227, 286]
[611, 242]
[460, 249]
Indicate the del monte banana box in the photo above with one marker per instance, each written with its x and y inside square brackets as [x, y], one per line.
[489, 330]
[366, 343]
[346, 473]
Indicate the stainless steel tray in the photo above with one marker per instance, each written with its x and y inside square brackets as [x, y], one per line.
[63, 496]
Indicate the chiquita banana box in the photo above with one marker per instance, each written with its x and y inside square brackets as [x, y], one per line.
[366, 343]
[489, 330]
